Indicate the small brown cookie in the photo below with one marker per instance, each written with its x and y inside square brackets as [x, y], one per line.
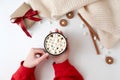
[70, 15]
[109, 60]
[63, 22]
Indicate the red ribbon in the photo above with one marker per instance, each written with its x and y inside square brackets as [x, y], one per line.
[30, 15]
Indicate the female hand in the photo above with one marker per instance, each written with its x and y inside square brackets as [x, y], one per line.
[32, 60]
[64, 56]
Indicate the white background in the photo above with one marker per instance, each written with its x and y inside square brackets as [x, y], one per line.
[15, 45]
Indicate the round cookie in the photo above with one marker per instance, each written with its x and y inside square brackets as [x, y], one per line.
[70, 15]
[55, 43]
[63, 22]
[109, 60]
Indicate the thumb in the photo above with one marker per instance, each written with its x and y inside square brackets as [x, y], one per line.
[43, 57]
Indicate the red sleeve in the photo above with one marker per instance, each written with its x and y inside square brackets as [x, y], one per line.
[24, 73]
[65, 71]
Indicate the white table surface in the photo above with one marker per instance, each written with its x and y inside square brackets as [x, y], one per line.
[15, 45]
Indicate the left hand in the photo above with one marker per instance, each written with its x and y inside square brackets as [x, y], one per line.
[31, 60]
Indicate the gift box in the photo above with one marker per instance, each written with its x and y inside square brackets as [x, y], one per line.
[25, 17]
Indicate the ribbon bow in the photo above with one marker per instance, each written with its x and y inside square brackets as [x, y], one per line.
[29, 15]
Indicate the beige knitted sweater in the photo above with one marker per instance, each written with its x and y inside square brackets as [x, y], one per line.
[102, 15]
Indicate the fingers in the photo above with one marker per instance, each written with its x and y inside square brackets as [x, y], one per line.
[39, 54]
[68, 46]
[38, 51]
[43, 57]
[60, 32]
[56, 30]
[50, 32]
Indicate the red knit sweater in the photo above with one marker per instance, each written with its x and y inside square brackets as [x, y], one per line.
[63, 71]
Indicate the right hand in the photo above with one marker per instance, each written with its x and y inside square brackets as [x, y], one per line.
[31, 60]
[64, 56]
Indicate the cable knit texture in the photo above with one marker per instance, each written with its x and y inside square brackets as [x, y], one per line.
[24, 73]
[63, 71]
[102, 15]
[56, 8]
